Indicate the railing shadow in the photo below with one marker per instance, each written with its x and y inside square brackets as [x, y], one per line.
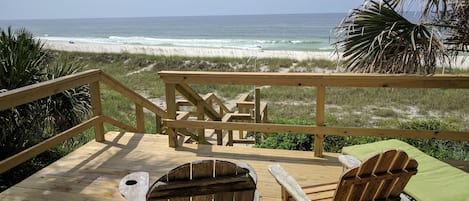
[201, 150]
[103, 167]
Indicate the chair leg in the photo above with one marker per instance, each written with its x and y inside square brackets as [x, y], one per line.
[285, 194]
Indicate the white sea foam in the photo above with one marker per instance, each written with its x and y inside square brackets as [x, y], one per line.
[183, 42]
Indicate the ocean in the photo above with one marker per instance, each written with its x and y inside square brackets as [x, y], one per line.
[301, 32]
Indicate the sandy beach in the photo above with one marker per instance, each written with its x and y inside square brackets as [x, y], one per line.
[187, 51]
[204, 52]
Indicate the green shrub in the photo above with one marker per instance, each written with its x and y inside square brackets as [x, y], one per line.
[440, 149]
[23, 61]
[288, 141]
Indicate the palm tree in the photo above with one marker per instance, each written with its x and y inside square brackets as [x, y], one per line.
[377, 38]
[23, 61]
[456, 22]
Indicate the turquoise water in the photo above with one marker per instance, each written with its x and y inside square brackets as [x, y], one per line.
[305, 32]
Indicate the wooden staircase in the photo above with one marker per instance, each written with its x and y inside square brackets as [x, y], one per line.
[210, 108]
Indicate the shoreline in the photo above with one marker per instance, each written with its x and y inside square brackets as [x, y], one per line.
[460, 63]
[187, 51]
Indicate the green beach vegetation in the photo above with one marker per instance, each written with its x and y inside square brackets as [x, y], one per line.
[23, 62]
[352, 107]
[355, 107]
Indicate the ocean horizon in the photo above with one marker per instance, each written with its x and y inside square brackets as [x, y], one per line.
[298, 32]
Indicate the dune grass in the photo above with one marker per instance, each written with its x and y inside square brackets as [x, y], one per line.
[351, 107]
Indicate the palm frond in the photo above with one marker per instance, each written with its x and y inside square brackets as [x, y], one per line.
[70, 107]
[456, 24]
[377, 39]
[426, 6]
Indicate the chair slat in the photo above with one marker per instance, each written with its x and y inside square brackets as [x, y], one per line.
[202, 169]
[320, 188]
[321, 192]
[344, 188]
[410, 170]
[180, 199]
[180, 173]
[202, 198]
[325, 195]
[366, 170]
[244, 195]
[399, 162]
[384, 164]
[224, 168]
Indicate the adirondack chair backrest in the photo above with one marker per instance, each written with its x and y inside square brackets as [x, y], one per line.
[380, 177]
[206, 180]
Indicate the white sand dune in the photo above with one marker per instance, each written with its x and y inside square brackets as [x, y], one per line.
[187, 51]
[203, 52]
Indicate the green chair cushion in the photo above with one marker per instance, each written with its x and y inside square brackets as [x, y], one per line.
[435, 180]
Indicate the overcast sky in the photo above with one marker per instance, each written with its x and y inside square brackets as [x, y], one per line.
[56, 9]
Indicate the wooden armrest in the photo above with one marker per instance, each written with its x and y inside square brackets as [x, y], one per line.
[288, 183]
[349, 161]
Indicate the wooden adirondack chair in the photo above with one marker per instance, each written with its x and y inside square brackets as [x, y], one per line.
[197, 181]
[380, 177]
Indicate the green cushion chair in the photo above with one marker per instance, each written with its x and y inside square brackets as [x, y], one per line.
[435, 180]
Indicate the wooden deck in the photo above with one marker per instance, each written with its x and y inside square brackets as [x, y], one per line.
[93, 171]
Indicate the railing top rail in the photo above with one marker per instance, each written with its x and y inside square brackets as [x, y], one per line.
[40, 90]
[316, 79]
[132, 95]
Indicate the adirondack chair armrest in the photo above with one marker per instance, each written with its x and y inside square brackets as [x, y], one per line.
[349, 161]
[288, 183]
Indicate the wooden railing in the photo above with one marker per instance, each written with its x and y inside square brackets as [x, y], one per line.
[173, 79]
[93, 78]
[178, 81]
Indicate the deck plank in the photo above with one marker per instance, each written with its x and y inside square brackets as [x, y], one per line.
[93, 171]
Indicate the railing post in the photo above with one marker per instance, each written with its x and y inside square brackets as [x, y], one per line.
[158, 124]
[257, 108]
[140, 118]
[97, 110]
[170, 90]
[257, 104]
[320, 106]
[230, 138]
[200, 116]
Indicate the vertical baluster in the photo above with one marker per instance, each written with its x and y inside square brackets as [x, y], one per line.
[171, 110]
[140, 118]
[158, 124]
[320, 106]
[97, 110]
